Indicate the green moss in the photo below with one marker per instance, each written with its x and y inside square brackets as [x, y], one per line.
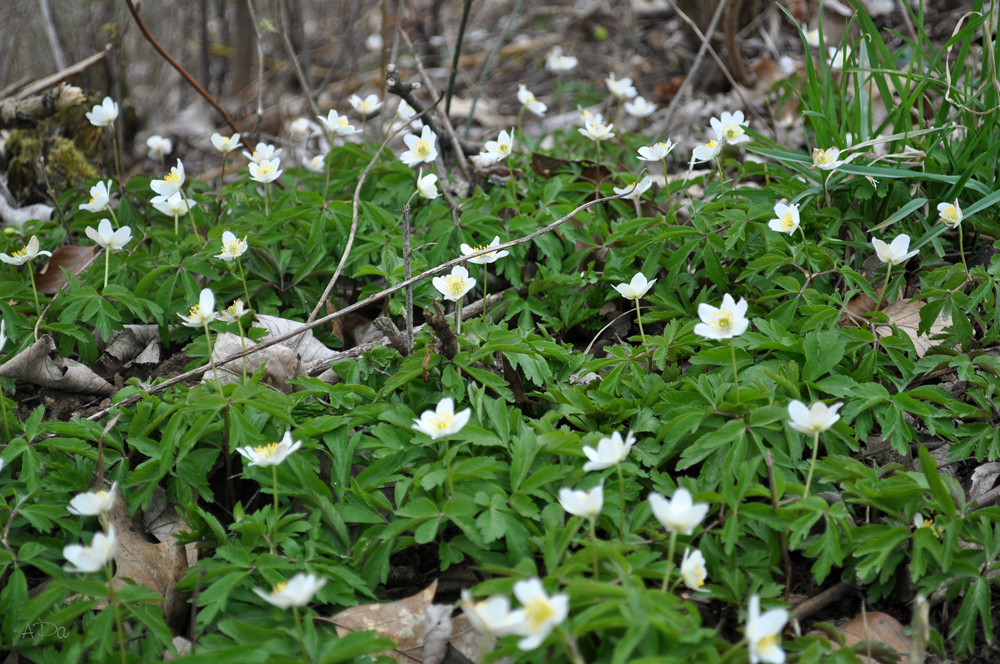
[65, 165]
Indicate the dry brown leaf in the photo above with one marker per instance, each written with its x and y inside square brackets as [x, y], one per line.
[983, 479]
[905, 314]
[281, 362]
[41, 364]
[155, 566]
[309, 348]
[437, 632]
[75, 259]
[126, 345]
[880, 628]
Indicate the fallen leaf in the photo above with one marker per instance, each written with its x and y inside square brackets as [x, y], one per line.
[41, 364]
[437, 632]
[280, 362]
[905, 314]
[155, 566]
[879, 629]
[75, 259]
[309, 348]
[126, 345]
[983, 479]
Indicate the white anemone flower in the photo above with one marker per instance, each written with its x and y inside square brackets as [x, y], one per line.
[680, 514]
[174, 205]
[634, 191]
[620, 88]
[541, 613]
[499, 149]
[1, 460]
[657, 151]
[610, 452]
[591, 117]
[406, 113]
[640, 108]
[708, 151]
[838, 57]
[272, 454]
[297, 591]
[443, 420]
[315, 164]
[422, 149]
[427, 186]
[787, 220]
[233, 313]
[951, 214]
[171, 182]
[28, 253]
[491, 615]
[693, 569]
[336, 124]
[455, 285]
[374, 42]
[815, 419]
[725, 322]
[225, 145]
[491, 257]
[365, 106]
[93, 503]
[583, 503]
[596, 131]
[265, 171]
[232, 247]
[263, 152]
[93, 557]
[763, 633]
[636, 289]
[109, 238]
[812, 36]
[202, 313]
[159, 147]
[105, 114]
[3, 342]
[529, 101]
[557, 63]
[100, 196]
[300, 129]
[895, 253]
[828, 159]
[731, 127]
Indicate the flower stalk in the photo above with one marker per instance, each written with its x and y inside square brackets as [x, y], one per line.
[113, 596]
[736, 380]
[274, 536]
[670, 560]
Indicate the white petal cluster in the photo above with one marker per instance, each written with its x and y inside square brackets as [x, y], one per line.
[427, 186]
[443, 420]
[763, 633]
[94, 557]
[951, 214]
[297, 591]
[202, 313]
[174, 205]
[365, 106]
[265, 171]
[263, 152]
[597, 131]
[787, 218]
[159, 147]
[422, 149]
[491, 257]
[657, 151]
[270, 455]
[815, 419]
[620, 88]
[640, 108]
[105, 114]
[724, 322]
[336, 124]
[680, 514]
[93, 503]
[455, 285]
[225, 145]
[634, 191]
[587, 504]
[557, 63]
[28, 253]
[232, 247]
[896, 252]
[100, 196]
[530, 102]
[499, 149]
[693, 570]
[171, 182]
[609, 452]
[105, 236]
[636, 289]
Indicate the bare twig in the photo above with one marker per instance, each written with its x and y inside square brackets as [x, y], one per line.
[60, 76]
[394, 85]
[697, 60]
[50, 32]
[455, 56]
[489, 64]
[447, 265]
[354, 218]
[183, 72]
[260, 61]
[303, 81]
[828, 596]
[459, 154]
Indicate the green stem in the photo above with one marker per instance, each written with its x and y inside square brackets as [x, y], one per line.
[298, 628]
[805, 243]
[194, 227]
[513, 140]
[112, 213]
[326, 187]
[484, 292]
[107, 262]
[118, 154]
[267, 199]
[569, 540]
[812, 464]
[670, 559]
[666, 184]
[118, 617]
[961, 250]
[511, 181]
[211, 359]
[222, 183]
[3, 407]
[458, 317]
[31, 273]
[826, 196]
[593, 543]
[243, 346]
[736, 381]
[244, 280]
[274, 537]
[722, 182]
[885, 286]
[177, 227]
[621, 494]
[735, 649]
[638, 317]
[447, 465]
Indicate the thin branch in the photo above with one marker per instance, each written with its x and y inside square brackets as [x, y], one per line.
[303, 81]
[368, 301]
[183, 72]
[697, 61]
[260, 62]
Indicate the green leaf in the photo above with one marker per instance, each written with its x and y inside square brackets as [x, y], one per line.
[824, 351]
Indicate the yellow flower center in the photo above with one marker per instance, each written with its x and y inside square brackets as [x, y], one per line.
[732, 130]
[195, 311]
[20, 253]
[787, 222]
[662, 145]
[823, 157]
[950, 215]
[172, 177]
[699, 572]
[342, 121]
[929, 523]
[722, 321]
[769, 641]
[455, 284]
[480, 248]
[232, 310]
[711, 144]
[265, 169]
[421, 148]
[537, 613]
[266, 452]
[280, 588]
[231, 247]
[102, 495]
[442, 421]
[92, 199]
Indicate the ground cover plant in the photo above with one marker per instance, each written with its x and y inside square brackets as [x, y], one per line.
[799, 402]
